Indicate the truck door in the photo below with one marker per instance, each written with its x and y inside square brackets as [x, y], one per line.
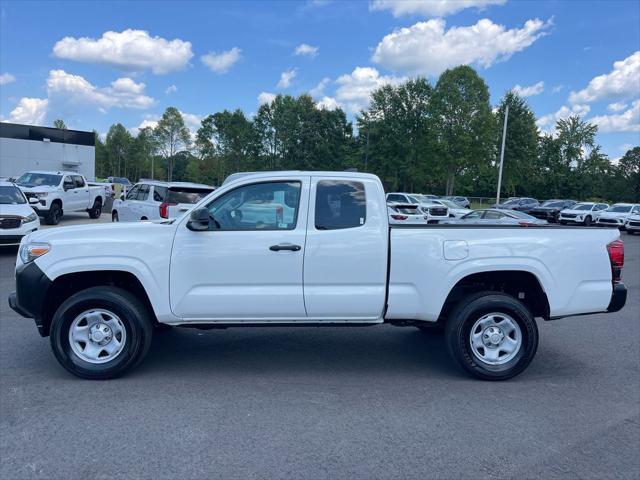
[345, 263]
[81, 193]
[250, 267]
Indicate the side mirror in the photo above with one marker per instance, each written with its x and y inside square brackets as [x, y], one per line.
[122, 197]
[199, 220]
[33, 201]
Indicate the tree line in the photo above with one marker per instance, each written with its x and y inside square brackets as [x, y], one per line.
[441, 138]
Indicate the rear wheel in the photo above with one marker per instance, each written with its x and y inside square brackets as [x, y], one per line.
[55, 214]
[114, 216]
[587, 221]
[96, 210]
[492, 336]
[101, 332]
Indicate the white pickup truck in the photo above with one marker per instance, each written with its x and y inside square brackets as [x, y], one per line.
[59, 192]
[309, 248]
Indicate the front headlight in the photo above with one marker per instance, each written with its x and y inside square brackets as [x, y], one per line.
[30, 251]
[31, 218]
[41, 194]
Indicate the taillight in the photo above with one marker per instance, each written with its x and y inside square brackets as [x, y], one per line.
[399, 217]
[616, 256]
[164, 209]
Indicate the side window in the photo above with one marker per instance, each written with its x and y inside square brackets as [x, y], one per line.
[143, 193]
[472, 215]
[601, 206]
[133, 193]
[79, 181]
[340, 204]
[635, 210]
[394, 197]
[159, 193]
[259, 206]
[68, 183]
[492, 215]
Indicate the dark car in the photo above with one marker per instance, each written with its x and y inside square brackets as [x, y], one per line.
[550, 209]
[524, 204]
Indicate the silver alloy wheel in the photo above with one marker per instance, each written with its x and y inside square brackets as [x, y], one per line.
[495, 338]
[97, 336]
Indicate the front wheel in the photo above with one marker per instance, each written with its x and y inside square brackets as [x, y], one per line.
[587, 221]
[54, 215]
[101, 332]
[492, 336]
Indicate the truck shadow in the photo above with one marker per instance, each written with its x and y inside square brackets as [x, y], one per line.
[401, 351]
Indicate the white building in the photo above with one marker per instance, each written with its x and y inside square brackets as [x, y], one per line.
[28, 147]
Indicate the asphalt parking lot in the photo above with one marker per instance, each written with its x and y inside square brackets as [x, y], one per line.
[376, 402]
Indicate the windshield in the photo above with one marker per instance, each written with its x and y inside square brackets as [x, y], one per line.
[511, 202]
[31, 179]
[449, 203]
[553, 204]
[186, 195]
[10, 195]
[583, 206]
[120, 180]
[620, 208]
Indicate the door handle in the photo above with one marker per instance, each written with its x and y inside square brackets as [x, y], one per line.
[285, 246]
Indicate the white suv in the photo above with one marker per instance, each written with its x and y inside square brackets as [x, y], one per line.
[17, 218]
[155, 200]
[585, 213]
[617, 215]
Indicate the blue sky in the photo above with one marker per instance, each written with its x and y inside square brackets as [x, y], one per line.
[97, 63]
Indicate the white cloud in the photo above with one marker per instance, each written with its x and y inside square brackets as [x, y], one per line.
[548, 122]
[318, 90]
[266, 97]
[627, 121]
[426, 48]
[617, 106]
[287, 77]
[622, 82]
[65, 88]
[430, 8]
[557, 88]
[328, 103]
[129, 50]
[30, 111]
[223, 61]
[355, 88]
[530, 91]
[306, 50]
[171, 89]
[191, 121]
[7, 78]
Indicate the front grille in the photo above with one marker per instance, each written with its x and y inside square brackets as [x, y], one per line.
[438, 211]
[608, 220]
[10, 222]
[569, 215]
[634, 224]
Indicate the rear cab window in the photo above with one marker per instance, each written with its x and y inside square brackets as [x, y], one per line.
[340, 204]
[186, 194]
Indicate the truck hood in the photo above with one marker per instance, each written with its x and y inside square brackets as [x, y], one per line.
[127, 233]
[22, 210]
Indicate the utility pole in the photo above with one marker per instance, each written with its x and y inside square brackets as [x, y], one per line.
[504, 137]
[366, 150]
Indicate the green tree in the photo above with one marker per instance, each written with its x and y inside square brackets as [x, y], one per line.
[101, 157]
[118, 146]
[171, 136]
[629, 167]
[462, 124]
[59, 123]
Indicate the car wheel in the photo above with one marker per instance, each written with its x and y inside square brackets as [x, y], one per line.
[492, 336]
[101, 332]
[114, 216]
[587, 221]
[55, 214]
[96, 210]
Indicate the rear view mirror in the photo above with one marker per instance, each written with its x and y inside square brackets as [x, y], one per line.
[199, 220]
[33, 201]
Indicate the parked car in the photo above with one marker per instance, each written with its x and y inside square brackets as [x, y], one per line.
[632, 224]
[17, 218]
[455, 210]
[463, 202]
[59, 192]
[495, 216]
[550, 209]
[584, 213]
[121, 185]
[156, 200]
[616, 215]
[335, 261]
[524, 204]
[405, 214]
[435, 212]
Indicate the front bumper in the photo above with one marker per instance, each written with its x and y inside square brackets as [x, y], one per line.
[618, 298]
[31, 290]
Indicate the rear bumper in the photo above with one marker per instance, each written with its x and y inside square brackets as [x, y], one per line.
[618, 298]
[31, 290]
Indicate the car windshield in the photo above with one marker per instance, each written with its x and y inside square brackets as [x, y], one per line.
[186, 195]
[120, 180]
[553, 204]
[620, 208]
[511, 202]
[10, 195]
[31, 179]
[449, 203]
[583, 206]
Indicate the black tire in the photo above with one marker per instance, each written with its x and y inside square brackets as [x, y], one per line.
[131, 311]
[96, 210]
[114, 216]
[54, 215]
[461, 321]
[587, 221]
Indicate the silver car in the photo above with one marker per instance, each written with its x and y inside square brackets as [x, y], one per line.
[494, 216]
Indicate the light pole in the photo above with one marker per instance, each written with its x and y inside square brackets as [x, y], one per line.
[366, 151]
[504, 136]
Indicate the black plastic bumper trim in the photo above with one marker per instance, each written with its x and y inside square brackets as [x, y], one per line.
[31, 290]
[618, 298]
